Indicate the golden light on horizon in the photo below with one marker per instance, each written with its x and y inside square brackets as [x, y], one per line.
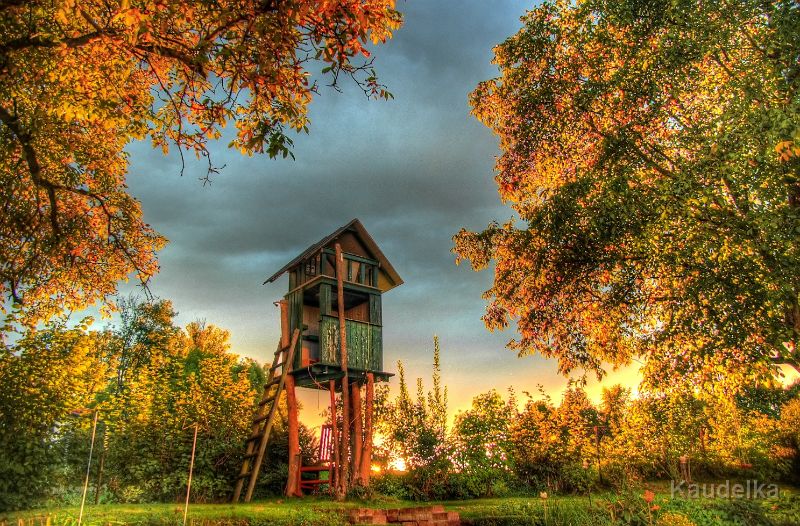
[398, 464]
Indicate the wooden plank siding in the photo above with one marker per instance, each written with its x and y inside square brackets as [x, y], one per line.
[364, 344]
[295, 300]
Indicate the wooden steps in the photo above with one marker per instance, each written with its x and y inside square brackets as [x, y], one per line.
[314, 484]
[263, 420]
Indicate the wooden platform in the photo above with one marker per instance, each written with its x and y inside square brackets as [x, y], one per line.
[316, 376]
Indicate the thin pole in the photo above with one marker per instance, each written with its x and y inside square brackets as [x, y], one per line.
[88, 467]
[191, 469]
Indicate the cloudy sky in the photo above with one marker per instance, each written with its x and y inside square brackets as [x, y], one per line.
[415, 170]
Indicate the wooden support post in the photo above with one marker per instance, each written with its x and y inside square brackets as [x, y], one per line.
[284, 305]
[355, 401]
[295, 461]
[335, 464]
[366, 453]
[345, 456]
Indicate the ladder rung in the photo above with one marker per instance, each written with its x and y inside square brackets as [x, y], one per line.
[250, 455]
[276, 366]
[266, 401]
[254, 437]
[312, 483]
[243, 476]
[274, 381]
[261, 418]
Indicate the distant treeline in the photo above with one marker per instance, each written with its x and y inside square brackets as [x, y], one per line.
[575, 446]
[150, 382]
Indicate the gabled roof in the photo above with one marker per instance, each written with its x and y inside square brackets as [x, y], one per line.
[358, 229]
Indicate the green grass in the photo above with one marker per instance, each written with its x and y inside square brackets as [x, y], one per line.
[280, 511]
[600, 509]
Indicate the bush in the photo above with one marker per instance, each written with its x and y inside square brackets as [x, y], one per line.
[577, 479]
[674, 519]
[620, 476]
[784, 511]
[542, 512]
[391, 484]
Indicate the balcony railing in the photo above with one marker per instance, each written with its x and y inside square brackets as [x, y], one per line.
[364, 344]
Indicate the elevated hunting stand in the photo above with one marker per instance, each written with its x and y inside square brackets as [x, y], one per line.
[331, 339]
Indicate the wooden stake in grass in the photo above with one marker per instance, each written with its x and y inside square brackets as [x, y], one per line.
[88, 467]
[189, 483]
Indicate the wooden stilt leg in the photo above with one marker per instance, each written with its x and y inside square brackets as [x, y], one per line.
[366, 453]
[345, 445]
[355, 401]
[335, 464]
[284, 306]
[293, 482]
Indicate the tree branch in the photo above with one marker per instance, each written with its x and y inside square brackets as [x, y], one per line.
[34, 168]
[28, 41]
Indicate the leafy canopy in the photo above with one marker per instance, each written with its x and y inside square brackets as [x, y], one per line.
[79, 80]
[651, 151]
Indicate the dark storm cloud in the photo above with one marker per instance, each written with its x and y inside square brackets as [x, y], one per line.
[414, 170]
[419, 160]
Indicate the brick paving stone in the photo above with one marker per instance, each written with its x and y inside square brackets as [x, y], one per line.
[416, 516]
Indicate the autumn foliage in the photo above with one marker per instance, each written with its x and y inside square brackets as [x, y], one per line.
[649, 152]
[79, 80]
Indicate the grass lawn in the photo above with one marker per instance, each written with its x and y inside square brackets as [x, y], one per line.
[600, 509]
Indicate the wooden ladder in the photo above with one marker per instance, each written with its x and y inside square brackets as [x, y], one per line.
[263, 419]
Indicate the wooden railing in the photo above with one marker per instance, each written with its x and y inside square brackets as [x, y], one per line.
[364, 344]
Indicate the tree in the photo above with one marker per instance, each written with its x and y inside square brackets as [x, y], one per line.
[656, 431]
[481, 437]
[146, 328]
[414, 430]
[579, 424]
[80, 80]
[537, 450]
[613, 406]
[49, 380]
[192, 380]
[651, 151]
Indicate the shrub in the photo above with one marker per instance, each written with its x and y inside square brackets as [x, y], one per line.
[577, 479]
[674, 519]
[391, 484]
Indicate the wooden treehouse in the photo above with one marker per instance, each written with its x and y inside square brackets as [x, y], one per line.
[331, 339]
